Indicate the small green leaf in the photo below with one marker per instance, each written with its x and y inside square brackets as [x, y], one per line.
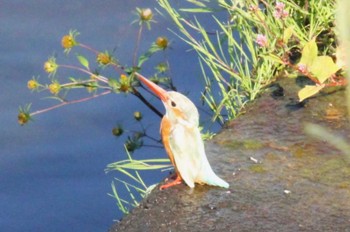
[198, 3]
[308, 91]
[197, 10]
[309, 53]
[323, 67]
[287, 34]
[144, 57]
[83, 61]
[259, 16]
[274, 58]
[114, 84]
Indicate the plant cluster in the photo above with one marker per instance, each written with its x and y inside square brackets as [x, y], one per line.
[256, 43]
[94, 83]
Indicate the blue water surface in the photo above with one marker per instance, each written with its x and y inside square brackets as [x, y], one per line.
[52, 174]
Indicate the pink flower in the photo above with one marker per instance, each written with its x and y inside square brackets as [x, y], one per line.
[279, 6]
[302, 68]
[261, 40]
[280, 12]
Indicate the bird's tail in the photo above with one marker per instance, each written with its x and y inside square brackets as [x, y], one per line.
[213, 179]
[207, 176]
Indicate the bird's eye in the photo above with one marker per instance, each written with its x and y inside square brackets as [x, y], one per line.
[173, 104]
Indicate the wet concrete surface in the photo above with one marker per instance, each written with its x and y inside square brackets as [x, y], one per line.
[280, 179]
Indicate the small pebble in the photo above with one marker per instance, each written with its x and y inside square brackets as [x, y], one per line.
[253, 159]
[286, 191]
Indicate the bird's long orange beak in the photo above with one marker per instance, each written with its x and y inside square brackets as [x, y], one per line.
[161, 93]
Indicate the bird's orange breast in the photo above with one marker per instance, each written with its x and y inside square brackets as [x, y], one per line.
[165, 130]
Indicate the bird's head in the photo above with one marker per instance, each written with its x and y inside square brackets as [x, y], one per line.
[178, 107]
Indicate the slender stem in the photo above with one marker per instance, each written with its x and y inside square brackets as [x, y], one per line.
[201, 49]
[172, 87]
[149, 105]
[80, 83]
[88, 48]
[70, 102]
[100, 78]
[137, 45]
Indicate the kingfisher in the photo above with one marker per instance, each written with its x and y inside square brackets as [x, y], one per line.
[182, 139]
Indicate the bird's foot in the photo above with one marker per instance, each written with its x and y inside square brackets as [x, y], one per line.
[177, 181]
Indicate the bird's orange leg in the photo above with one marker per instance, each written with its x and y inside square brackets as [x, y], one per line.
[177, 181]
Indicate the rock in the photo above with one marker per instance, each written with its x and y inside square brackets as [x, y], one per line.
[280, 179]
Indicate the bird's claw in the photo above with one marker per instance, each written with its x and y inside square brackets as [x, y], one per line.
[177, 181]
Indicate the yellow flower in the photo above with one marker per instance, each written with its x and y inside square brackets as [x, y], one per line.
[162, 67]
[123, 78]
[146, 14]
[137, 115]
[124, 83]
[162, 42]
[68, 41]
[104, 58]
[50, 66]
[117, 131]
[32, 84]
[55, 88]
[23, 118]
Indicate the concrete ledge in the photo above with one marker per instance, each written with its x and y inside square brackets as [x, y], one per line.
[280, 179]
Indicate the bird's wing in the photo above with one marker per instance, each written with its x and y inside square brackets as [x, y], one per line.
[190, 159]
[188, 150]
